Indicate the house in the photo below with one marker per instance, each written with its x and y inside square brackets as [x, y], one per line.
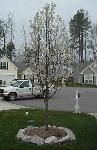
[8, 70]
[86, 72]
[23, 72]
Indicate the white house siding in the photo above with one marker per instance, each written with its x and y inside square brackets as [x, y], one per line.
[96, 79]
[8, 75]
[7, 79]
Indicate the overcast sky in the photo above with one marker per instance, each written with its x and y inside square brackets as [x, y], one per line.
[24, 10]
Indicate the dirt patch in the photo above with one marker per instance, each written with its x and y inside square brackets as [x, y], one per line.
[43, 133]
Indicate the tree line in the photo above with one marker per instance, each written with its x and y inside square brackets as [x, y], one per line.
[81, 37]
[7, 46]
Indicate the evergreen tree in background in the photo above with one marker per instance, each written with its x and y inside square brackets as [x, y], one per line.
[7, 47]
[10, 50]
[79, 26]
[3, 33]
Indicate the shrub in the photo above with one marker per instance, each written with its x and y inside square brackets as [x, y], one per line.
[80, 85]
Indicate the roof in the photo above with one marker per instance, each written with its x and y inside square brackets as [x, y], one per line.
[94, 68]
[21, 66]
[79, 68]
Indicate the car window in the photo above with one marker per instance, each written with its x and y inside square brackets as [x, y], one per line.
[16, 84]
[25, 84]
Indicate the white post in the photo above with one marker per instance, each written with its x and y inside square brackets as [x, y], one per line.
[76, 106]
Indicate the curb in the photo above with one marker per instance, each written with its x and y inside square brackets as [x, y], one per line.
[93, 114]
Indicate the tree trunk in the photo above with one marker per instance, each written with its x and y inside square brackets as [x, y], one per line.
[46, 94]
[46, 77]
[4, 44]
[85, 48]
[38, 49]
[81, 46]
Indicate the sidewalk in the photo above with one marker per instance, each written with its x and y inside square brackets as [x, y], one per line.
[6, 105]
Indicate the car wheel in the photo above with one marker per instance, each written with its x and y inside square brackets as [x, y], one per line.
[12, 97]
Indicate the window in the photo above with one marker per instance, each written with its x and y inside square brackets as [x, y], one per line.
[25, 84]
[88, 79]
[0, 82]
[16, 84]
[4, 65]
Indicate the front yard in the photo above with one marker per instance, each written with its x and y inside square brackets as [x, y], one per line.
[83, 126]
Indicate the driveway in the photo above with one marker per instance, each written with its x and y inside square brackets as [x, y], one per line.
[6, 106]
[64, 100]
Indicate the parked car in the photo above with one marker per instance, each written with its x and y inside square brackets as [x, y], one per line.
[23, 89]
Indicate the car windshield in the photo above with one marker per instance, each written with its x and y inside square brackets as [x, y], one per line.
[16, 84]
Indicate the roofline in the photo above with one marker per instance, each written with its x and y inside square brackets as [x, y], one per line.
[85, 68]
[93, 69]
[9, 61]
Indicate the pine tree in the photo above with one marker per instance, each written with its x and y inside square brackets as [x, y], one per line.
[79, 26]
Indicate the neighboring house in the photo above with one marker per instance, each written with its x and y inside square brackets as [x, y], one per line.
[25, 72]
[21, 67]
[8, 71]
[85, 72]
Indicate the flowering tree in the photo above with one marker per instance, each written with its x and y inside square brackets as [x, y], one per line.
[49, 48]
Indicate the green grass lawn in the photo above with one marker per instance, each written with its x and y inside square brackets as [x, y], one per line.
[84, 127]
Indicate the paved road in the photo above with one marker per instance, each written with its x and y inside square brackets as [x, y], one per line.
[64, 100]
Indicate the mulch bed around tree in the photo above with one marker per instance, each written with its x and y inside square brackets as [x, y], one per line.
[43, 133]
